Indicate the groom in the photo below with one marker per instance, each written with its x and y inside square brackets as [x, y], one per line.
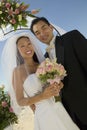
[70, 50]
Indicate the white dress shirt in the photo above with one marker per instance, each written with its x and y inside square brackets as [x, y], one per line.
[51, 49]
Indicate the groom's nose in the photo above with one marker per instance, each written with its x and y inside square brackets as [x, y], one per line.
[41, 33]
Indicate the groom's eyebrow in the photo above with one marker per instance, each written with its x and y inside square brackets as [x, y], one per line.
[44, 25]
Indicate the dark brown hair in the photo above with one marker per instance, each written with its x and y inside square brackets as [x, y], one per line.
[36, 20]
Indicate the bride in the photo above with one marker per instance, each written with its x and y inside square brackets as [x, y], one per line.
[24, 54]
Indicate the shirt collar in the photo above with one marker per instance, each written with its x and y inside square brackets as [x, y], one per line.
[51, 45]
[52, 41]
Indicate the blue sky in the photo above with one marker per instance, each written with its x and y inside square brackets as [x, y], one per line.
[68, 14]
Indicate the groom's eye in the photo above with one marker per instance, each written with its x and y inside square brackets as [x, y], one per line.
[37, 33]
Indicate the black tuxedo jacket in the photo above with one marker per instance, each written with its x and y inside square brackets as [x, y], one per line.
[71, 51]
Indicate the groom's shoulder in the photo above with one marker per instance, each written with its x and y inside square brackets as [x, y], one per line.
[71, 33]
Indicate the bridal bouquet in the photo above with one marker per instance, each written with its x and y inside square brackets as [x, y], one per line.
[14, 13]
[7, 116]
[49, 71]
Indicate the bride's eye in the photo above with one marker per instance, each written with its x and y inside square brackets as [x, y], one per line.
[29, 44]
[22, 46]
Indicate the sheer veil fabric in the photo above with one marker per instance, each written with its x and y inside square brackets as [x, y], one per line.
[59, 30]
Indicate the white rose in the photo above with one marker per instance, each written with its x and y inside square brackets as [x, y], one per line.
[0, 12]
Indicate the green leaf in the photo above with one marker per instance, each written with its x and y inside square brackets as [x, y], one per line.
[6, 117]
[15, 26]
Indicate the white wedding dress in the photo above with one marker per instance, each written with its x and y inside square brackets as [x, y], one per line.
[48, 114]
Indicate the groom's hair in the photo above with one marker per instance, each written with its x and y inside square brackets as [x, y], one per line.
[36, 20]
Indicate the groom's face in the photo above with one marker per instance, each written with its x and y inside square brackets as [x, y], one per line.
[43, 32]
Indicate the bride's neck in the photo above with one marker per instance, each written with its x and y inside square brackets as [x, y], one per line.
[30, 66]
[30, 62]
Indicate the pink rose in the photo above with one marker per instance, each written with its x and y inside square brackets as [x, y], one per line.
[61, 70]
[34, 11]
[10, 12]
[4, 104]
[40, 70]
[8, 5]
[56, 79]
[17, 11]
[49, 68]
[13, 21]
[11, 109]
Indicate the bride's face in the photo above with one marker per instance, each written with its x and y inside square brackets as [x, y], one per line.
[25, 47]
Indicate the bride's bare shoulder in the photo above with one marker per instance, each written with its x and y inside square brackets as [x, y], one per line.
[20, 69]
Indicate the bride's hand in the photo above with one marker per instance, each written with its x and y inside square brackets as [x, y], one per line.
[51, 90]
[59, 85]
[33, 107]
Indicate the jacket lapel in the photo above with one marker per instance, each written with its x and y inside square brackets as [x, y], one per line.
[59, 50]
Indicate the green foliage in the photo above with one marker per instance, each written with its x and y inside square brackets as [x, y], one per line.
[48, 75]
[7, 116]
[14, 13]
